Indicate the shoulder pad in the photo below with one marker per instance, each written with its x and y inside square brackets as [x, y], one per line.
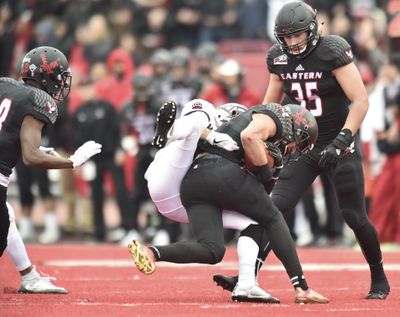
[335, 51]
[279, 114]
[11, 81]
[275, 58]
[44, 104]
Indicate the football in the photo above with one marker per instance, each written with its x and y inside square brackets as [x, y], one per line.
[250, 165]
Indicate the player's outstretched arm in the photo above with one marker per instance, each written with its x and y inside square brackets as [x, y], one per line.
[32, 155]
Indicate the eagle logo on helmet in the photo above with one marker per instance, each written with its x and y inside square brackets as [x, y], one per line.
[48, 68]
[299, 117]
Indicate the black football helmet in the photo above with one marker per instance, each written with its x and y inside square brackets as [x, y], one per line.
[295, 17]
[304, 132]
[48, 67]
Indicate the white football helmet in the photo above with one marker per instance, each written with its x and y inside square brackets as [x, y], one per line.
[226, 112]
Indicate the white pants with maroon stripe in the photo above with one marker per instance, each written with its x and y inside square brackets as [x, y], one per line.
[171, 163]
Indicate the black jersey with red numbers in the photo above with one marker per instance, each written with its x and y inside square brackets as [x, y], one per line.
[16, 101]
[309, 81]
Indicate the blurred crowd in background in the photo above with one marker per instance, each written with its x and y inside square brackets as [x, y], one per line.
[129, 56]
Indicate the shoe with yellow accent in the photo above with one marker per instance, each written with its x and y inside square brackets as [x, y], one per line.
[309, 297]
[143, 257]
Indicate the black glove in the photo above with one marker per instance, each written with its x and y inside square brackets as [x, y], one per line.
[271, 183]
[275, 153]
[278, 165]
[342, 145]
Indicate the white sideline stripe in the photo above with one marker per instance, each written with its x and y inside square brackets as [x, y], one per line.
[227, 265]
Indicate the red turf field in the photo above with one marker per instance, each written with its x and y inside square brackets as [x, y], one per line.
[102, 282]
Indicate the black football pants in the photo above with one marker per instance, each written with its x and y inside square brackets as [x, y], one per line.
[348, 181]
[4, 219]
[211, 185]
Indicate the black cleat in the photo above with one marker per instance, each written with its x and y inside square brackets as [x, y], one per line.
[165, 120]
[228, 283]
[376, 295]
[379, 289]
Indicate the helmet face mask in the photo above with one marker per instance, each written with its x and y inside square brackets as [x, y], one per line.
[294, 18]
[48, 67]
[304, 133]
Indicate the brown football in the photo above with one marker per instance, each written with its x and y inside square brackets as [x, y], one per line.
[250, 165]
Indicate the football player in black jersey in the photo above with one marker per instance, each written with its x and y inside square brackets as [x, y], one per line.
[25, 108]
[218, 181]
[319, 73]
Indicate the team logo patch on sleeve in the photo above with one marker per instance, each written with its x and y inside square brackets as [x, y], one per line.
[50, 108]
[280, 60]
[349, 53]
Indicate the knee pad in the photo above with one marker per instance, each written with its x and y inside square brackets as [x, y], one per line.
[217, 252]
[354, 219]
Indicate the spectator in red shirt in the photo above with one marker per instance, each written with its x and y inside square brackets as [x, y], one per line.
[116, 88]
[230, 86]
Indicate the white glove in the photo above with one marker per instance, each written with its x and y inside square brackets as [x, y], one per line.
[49, 150]
[85, 152]
[222, 140]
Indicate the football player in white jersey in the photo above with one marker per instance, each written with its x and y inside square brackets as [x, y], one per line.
[165, 173]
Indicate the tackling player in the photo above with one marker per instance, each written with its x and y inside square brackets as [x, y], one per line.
[319, 74]
[294, 130]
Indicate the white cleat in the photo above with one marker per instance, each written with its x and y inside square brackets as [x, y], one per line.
[252, 293]
[41, 285]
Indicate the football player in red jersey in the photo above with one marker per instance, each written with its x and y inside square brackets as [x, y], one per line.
[25, 108]
[319, 74]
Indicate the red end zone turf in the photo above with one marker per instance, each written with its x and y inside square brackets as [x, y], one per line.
[103, 282]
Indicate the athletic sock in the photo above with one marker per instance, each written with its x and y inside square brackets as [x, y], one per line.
[31, 275]
[16, 248]
[247, 250]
